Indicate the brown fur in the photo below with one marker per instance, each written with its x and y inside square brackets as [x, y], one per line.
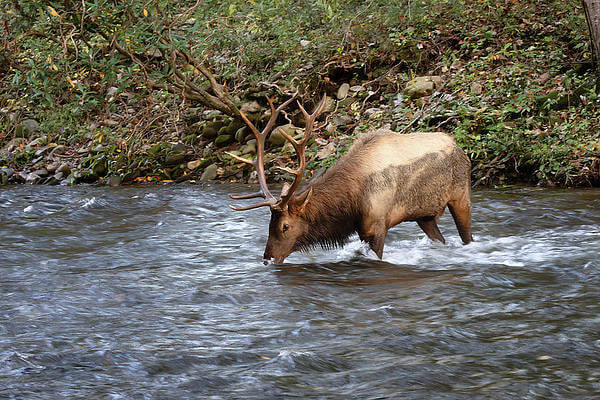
[385, 178]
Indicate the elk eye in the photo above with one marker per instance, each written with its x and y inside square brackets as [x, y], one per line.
[285, 227]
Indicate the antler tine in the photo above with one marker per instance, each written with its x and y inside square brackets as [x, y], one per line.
[258, 163]
[300, 148]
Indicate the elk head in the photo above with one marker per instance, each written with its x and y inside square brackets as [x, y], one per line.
[287, 226]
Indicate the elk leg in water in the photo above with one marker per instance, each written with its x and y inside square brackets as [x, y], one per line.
[461, 212]
[430, 228]
[374, 235]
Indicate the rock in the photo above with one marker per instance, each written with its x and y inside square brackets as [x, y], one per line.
[98, 149]
[38, 142]
[20, 177]
[59, 176]
[13, 144]
[326, 151]
[422, 86]
[209, 115]
[63, 168]
[175, 157]
[114, 181]
[52, 167]
[194, 164]
[419, 89]
[60, 149]
[341, 120]
[241, 134]
[100, 168]
[30, 126]
[372, 112]
[43, 172]
[357, 88]
[476, 88]
[342, 92]
[544, 77]
[9, 172]
[211, 129]
[83, 151]
[32, 179]
[251, 107]
[223, 140]
[43, 151]
[249, 148]
[3, 179]
[210, 173]
[277, 139]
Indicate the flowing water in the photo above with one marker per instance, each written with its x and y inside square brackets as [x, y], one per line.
[160, 293]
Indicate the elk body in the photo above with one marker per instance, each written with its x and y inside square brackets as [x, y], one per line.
[384, 179]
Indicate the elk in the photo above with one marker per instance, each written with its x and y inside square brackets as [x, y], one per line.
[384, 179]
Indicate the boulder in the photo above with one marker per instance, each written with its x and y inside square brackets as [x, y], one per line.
[211, 129]
[223, 140]
[422, 86]
[251, 107]
[342, 92]
[30, 126]
[209, 174]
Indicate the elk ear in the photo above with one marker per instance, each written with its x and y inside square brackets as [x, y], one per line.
[302, 200]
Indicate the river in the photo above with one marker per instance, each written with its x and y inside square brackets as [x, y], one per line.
[160, 292]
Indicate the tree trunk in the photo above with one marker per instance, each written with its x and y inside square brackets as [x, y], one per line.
[592, 16]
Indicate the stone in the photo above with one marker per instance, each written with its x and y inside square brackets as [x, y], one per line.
[277, 139]
[372, 112]
[38, 142]
[209, 174]
[241, 134]
[422, 86]
[59, 176]
[43, 151]
[544, 77]
[13, 144]
[341, 120]
[211, 129]
[251, 107]
[415, 90]
[223, 140]
[175, 157]
[194, 164]
[52, 167]
[476, 88]
[63, 168]
[32, 179]
[30, 126]
[9, 172]
[3, 179]
[98, 149]
[43, 172]
[100, 168]
[249, 148]
[83, 151]
[343, 90]
[357, 88]
[326, 151]
[209, 115]
[60, 149]
[114, 181]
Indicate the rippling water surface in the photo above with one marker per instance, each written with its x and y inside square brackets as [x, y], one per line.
[160, 293]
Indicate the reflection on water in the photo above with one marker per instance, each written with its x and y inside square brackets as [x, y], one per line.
[159, 292]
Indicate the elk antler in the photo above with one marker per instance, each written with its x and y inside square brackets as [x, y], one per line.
[299, 147]
[258, 164]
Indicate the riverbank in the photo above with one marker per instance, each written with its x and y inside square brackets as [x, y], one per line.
[516, 87]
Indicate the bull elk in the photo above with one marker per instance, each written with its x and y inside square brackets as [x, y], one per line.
[384, 179]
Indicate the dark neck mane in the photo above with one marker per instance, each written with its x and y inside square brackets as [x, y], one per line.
[333, 209]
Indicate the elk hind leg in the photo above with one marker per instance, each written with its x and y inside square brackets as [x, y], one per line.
[461, 212]
[429, 226]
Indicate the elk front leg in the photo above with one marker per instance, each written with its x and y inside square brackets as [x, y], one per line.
[374, 235]
[430, 227]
